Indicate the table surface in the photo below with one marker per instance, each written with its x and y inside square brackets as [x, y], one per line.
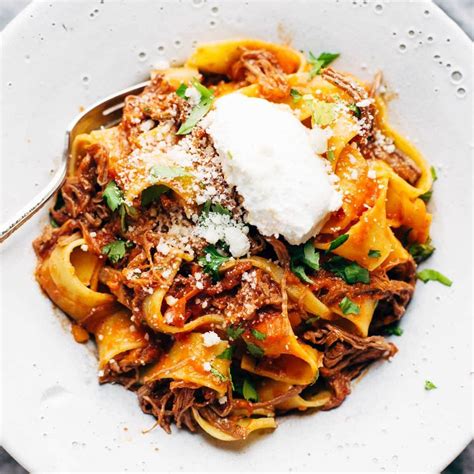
[462, 12]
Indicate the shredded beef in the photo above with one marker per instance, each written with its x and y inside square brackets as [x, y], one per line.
[345, 357]
[261, 67]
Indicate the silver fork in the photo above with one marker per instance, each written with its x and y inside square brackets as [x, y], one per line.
[105, 113]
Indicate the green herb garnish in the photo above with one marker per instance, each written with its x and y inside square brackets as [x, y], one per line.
[211, 261]
[421, 252]
[337, 242]
[349, 307]
[115, 251]
[226, 353]
[217, 374]
[426, 196]
[330, 155]
[301, 256]
[296, 95]
[374, 253]
[53, 222]
[429, 385]
[215, 207]
[249, 392]
[393, 330]
[323, 60]
[433, 275]
[312, 320]
[350, 272]
[168, 172]
[235, 332]
[113, 195]
[198, 112]
[434, 175]
[255, 350]
[355, 110]
[258, 335]
[181, 91]
[153, 193]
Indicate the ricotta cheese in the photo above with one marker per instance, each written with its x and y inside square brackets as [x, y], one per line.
[270, 157]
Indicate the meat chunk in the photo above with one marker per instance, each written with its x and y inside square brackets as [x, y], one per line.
[345, 357]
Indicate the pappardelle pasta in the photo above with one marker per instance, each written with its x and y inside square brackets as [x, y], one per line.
[240, 242]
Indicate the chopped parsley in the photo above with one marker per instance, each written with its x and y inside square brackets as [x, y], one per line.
[374, 253]
[249, 392]
[211, 261]
[296, 95]
[355, 110]
[304, 256]
[219, 375]
[330, 155]
[429, 385]
[421, 252]
[349, 307]
[426, 196]
[226, 353]
[153, 193]
[393, 330]
[433, 275]
[215, 207]
[53, 222]
[181, 91]
[258, 335]
[113, 195]
[312, 320]
[255, 350]
[317, 63]
[434, 175]
[350, 272]
[59, 201]
[198, 112]
[168, 172]
[115, 250]
[235, 332]
[337, 242]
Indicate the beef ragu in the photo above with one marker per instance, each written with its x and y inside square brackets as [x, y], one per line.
[161, 252]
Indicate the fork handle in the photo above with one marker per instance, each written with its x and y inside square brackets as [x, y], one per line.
[34, 205]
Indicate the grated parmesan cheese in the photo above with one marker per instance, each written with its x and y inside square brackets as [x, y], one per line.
[210, 339]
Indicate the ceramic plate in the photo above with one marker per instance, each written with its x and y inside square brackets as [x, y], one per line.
[59, 56]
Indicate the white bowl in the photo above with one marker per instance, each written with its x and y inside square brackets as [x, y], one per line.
[59, 56]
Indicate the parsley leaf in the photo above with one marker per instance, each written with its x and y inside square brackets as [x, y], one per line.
[296, 95]
[350, 272]
[434, 175]
[198, 112]
[374, 253]
[169, 172]
[113, 195]
[301, 256]
[255, 350]
[355, 110]
[312, 320]
[211, 261]
[349, 307]
[421, 252]
[433, 275]
[337, 242]
[114, 250]
[258, 335]
[429, 385]
[217, 374]
[393, 330]
[323, 60]
[226, 353]
[217, 207]
[249, 392]
[153, 193]
[235, 332]
[330, 155]
[180, 91]
[426, 196]
[53, 222]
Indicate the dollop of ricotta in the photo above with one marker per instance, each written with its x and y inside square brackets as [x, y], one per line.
[271, 158]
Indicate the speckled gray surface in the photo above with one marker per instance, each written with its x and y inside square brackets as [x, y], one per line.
[462, 11]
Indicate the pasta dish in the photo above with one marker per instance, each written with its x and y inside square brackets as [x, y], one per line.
[239, 245]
